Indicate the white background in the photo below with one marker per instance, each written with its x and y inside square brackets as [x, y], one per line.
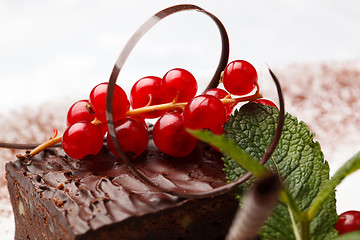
[60, 49]
[49, 49]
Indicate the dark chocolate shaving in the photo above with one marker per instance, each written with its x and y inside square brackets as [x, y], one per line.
[213, 83]
[257, 205]
[23, 146]
[223, 62]
[280, 123]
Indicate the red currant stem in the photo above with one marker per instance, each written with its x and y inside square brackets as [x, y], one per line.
[97, 122]
[221, 77]
[254, 97]
[55, 133]
[175, 105]
[88, 107]
[166, 106]
[176, 98]
[54, 140]
[150, 101]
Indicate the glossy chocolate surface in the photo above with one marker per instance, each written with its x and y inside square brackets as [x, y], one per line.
[100, 190]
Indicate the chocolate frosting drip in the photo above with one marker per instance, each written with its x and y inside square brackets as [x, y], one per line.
[99, 190]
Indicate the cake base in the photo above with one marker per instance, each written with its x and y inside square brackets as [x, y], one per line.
[56, 197]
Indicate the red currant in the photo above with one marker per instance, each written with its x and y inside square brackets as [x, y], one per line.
[149, 91]
[220, 94]
[205, 112]
[98, 102]
[180, 84]
[240, 77]
[78, 113]
[103, 129]
[265, 102]
[140, 119]
[348, 221]
[170, 137]
[132, 136]
[82, 139]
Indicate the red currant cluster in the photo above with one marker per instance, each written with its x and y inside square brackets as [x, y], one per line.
[171, 99]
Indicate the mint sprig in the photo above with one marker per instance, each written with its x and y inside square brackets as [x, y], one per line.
[229, 146]
[307, 209]
[299, 162]
[352, 165]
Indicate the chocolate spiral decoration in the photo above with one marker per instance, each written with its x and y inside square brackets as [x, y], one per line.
[27, 146]
[214, 82]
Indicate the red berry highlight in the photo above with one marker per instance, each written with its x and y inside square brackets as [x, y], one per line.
[170, 137]
[148, 91]
[140, 119]
[180, 84]
[348, 222]
[205, 112]
[220, 94]
[121, 103]
[79, 113]
[240, 77]
[82, 139]
[132, 136]
[266, 102]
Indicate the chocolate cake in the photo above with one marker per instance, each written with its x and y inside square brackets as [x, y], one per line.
[56, 197]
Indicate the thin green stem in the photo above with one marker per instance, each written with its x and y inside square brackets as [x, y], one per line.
[294, 224]
[352, 165]
[305, 227]
[286, 198]
[296, 215]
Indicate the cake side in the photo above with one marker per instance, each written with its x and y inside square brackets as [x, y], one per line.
[100, 198]
[193, 219]
[33, 217]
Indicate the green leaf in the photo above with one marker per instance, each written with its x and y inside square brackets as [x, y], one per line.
[349, 167]
[297, 159]
[229, 146]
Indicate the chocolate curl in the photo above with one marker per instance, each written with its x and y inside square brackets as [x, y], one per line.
[28, 146]
[214, 82]
[145, 27]
[257, 206]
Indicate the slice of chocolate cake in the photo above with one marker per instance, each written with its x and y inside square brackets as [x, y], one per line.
[56, 197]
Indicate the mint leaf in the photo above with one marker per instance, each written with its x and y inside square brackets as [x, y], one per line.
[352, 165]
[297, 159]
[229, 146]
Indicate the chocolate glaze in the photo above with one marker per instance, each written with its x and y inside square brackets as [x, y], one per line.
[100, 189]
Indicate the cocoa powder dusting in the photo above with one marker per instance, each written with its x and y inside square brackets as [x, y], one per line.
[326, 97]
[26, 125]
